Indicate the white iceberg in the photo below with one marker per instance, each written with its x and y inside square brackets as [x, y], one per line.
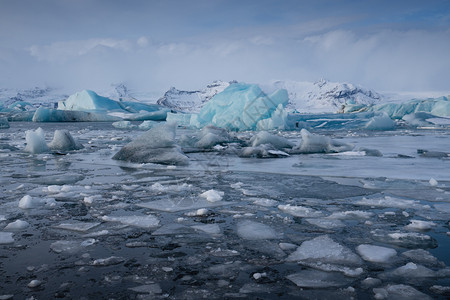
[35, 140]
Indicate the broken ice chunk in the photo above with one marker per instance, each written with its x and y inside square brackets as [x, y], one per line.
[109, 261]
[147, 221]
[6, 238]
[17, 225]
[405, 239]
[35, 141]
[182, 203]
[324, 250]
[77, 226]
[300, 211]
[312, 143]
[70, 246]
[423, 257]
[325, 223]
[212, 195]
[374, 253]
[433, 182]
[208, 228]
[319, 279]
[420, 225]
[250, 230]
[410, 270]
[399, 292]
[64, 141]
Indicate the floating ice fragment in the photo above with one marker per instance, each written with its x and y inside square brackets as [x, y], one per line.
[208, 228]
[278, 142]
[147, 221]
[388, 201]
[325, 223]
[155, 146]
[250, 230]
[4, 123]
[376, 254]
[399, 292]
[6, 238]
[153, 288]
[324, 250]
[64, 141]
[423, 257]
[351, 214]
[123, 125]
[34, 283]
[27, 202]
[179, 204]
[381, 122]
[212, 195]
[112, 260]
[78, 226]
[264, 202]
[410, 270]
[300, 211]
[405, 239]
[319, 279]
[433, 182]
[17, 225]
[420, 225]
[287, 246]
[70, 247]
[35, 141]
[312, 143]
[198, 212]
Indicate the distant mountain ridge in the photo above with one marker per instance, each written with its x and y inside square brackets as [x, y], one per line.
[191, 101]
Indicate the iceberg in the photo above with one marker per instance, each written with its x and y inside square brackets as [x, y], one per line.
[313, 143]
[240, 107]
[63, 141]
[43, 114]
[381, 122]
[35, 140]
[4, 123]
[155, 146]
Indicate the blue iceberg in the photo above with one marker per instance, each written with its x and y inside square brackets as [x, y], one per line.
[243, 107]
[87, 106]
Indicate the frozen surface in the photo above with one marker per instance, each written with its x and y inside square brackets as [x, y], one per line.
[79, 224]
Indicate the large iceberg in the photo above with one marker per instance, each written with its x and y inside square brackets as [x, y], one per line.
[155, 146]
[435, 106]
[243, 107]
[88, 106]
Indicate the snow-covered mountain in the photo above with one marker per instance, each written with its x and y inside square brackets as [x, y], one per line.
[36, 97]
[191, 101]
[324, 96]
[305, 97]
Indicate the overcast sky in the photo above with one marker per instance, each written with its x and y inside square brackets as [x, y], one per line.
[386, 45]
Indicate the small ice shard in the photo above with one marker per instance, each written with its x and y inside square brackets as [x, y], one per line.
[399, 292]
[388, 201]
[433, 182]
[212, 195]
[376, 254]
[326, 251]
[34, 283]
[370, 282]
[4, 123]
[109, 261]
[64, 141]
[35, 141]
[325, 223]
[198, 212]
[312, 143]
[420, 225]
[147, 221]
[287, 246]
[77, 226]
[153, 288]
[251, 230]
[155, 146]
[17, 225]
[319, 279]
[6, 238]
[208, 228]
[300, 211]
[381, 122]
